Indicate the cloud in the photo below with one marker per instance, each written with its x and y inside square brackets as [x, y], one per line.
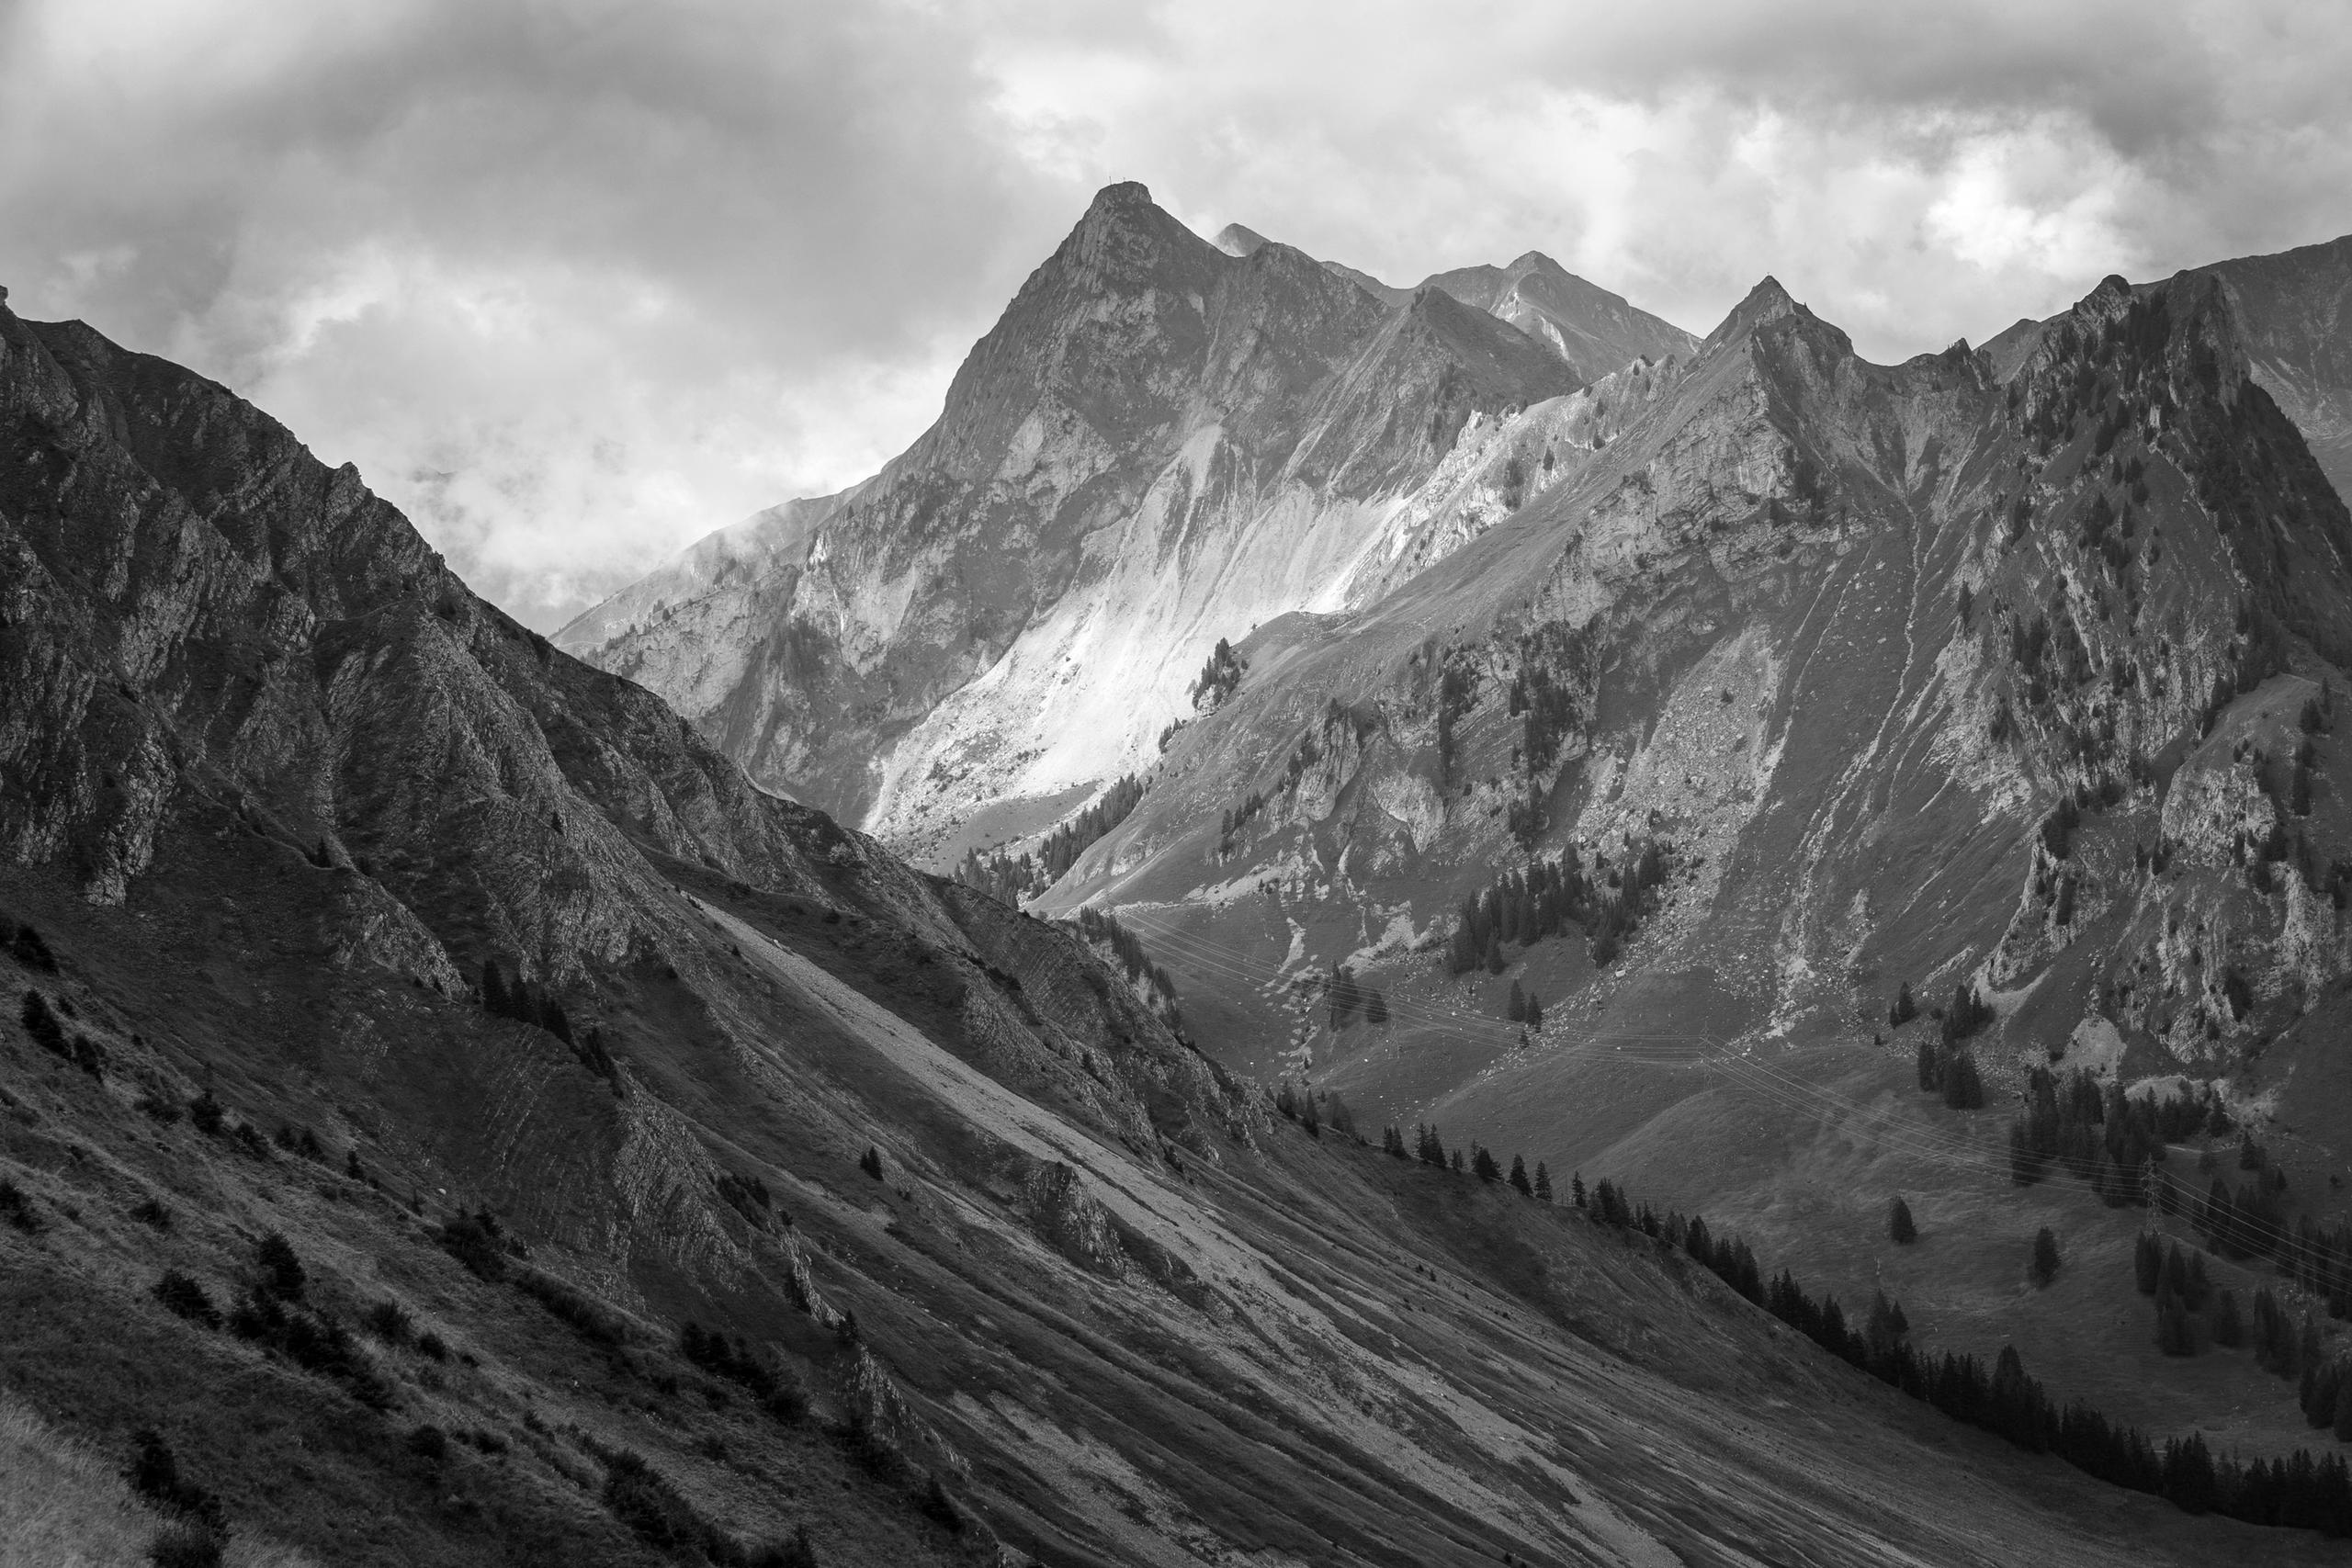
[576, 283]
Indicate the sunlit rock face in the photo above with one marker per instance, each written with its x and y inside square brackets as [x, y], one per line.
[1162, 443]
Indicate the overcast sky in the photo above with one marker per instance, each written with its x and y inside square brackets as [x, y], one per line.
[576, 283]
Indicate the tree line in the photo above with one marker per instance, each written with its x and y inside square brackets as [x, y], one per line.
[1010, 879]
[2296, 1491]
[1522, 908]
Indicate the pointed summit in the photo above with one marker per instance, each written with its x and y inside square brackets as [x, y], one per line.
[1237, 240]
[1766, 302]
[1125, 237]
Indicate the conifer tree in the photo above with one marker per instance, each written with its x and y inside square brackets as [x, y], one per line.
[1534, 1011]
[1516, 1008]
[1899, 1228]
[1904, 1010]
[1456, 1160]
[1543, 1183]
[1576, 1189]
[1519, 1177]
[1482, 1166]
[2045, 1256]
[2227, 1328]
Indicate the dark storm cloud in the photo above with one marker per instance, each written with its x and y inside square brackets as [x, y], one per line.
[574, 283]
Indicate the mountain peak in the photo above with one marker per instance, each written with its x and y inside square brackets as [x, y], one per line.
[1121, 195]
[1534, 261]
[1766, 302]
[1238, 240]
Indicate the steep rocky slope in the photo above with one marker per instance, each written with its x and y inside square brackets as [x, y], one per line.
[1915, 675]
[1161, 443]
[1596, 332]
[1004, 1268]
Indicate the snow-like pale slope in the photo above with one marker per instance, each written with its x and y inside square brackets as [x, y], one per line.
[1164, 442]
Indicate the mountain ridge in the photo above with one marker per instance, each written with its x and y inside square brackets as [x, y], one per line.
[579, 1050]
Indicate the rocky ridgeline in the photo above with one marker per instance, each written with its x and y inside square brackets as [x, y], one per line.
[1159, 445]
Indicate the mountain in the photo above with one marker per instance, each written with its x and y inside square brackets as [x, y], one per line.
[2294, 310]
[454, 1116]
[1595, 331]
[1911, 676]
[1162, 443]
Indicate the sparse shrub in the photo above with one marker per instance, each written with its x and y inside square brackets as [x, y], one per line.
[388, 1320]
[161, 1108]
[183, 1297]
[476, 1241]
[938, 1507]
[1899, 1227]
[18, 1209]
[205, 1114]
[42, 1023]
[644, 1500]
[429, 1443]
[151, 1213]
[154, 1474]
[870, 1162]
[32, 952]
[318, 1345]
[281, 1273]
[588, 1318]
[432, 1346]
[485, 1441]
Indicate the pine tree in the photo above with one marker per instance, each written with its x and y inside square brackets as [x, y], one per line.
[1576, 1189]
[1534, 1011]
[1543, 1183]
[1519, 1177]
[2148, 1262]
[1375, 1010]
[1899, 1228]
[1456, 1162]
[1904, 1010]
[1516, 1008]
[1482, 1166]
[2227, 1329]
[2045, 1256]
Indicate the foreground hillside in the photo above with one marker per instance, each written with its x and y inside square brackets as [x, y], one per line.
[451, 1116]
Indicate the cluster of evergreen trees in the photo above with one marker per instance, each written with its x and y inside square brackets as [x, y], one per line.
[1523, 908]
[1219, 676]
[1346, 998]
[46, 1032]
[1314, 1109]
[2299, 1492]
[1457, 693]
[2102, 1135]
[1550, 711]
[1010, 879]
[1098, 926]
[526, 1001]
[1950, 1071]
[1430, 1149]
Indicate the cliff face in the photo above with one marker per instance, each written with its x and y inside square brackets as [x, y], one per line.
[1161, 443]
[2296, 312]
[278, 787]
